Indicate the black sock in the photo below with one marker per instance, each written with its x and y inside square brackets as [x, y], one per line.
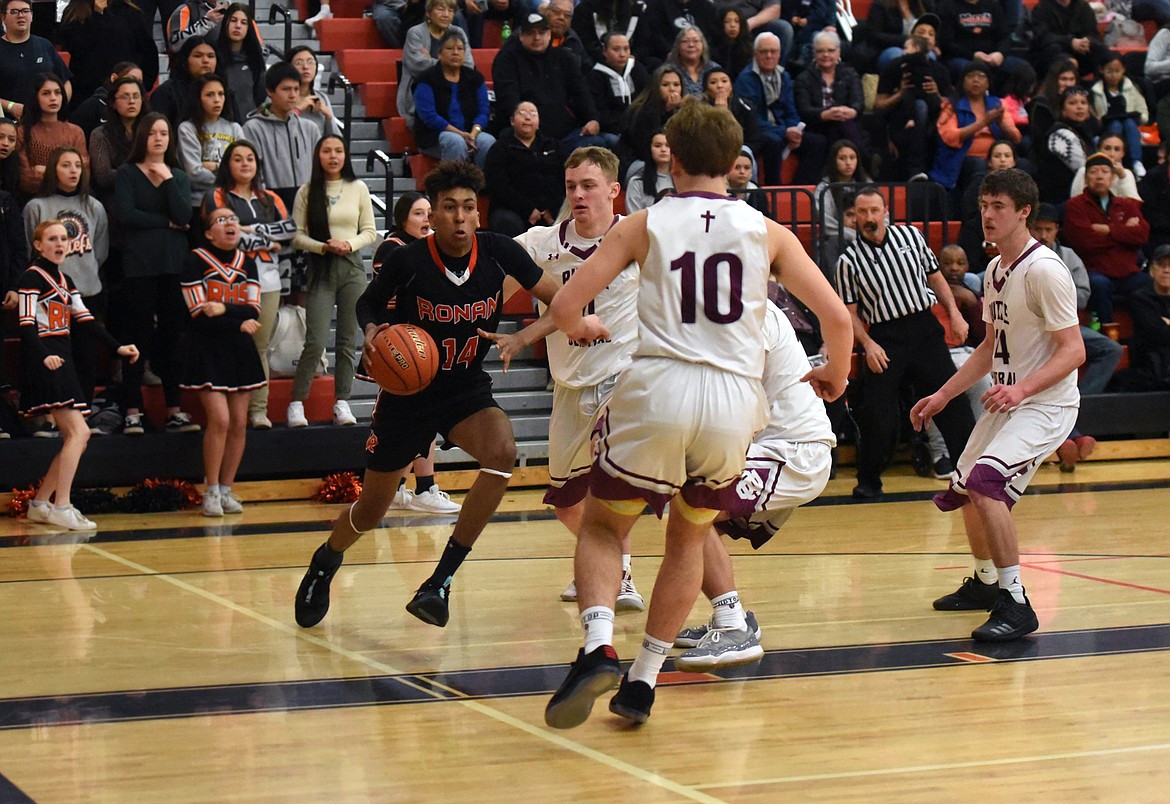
[423, 483]
[449, 563]
[402, 482]
[327, 558]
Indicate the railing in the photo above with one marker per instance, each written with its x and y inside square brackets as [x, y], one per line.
[338, 79]
[273, 11]
[387, 202]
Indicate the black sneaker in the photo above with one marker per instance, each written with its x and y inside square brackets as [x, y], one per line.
[633, 700]
[133, 425]
[920, 456]
[181, 423]
[591, 675]
[973, 595]
[312, 601]
[47, 430]
[1009, 620]
[430, 604]
[943, 468]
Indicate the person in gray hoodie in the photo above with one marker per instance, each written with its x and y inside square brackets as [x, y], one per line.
[285, 139]
[204, 135]
[64, 196]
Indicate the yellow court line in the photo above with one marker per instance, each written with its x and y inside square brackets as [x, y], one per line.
[614, 763]
[946, 766]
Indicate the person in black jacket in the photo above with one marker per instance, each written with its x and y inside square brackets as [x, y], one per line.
[666, 19]
[615, 81]
[595, 19]
[526, 67]
[525, 177]
[1150, 309]
[1067, 28]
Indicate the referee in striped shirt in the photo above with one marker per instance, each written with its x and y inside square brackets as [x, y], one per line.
[889, 279]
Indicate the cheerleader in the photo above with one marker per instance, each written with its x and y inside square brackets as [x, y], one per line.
[49, 304]
[222, 293]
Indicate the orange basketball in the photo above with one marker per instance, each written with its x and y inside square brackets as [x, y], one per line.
[404, 360]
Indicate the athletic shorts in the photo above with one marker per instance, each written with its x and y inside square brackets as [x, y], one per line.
[1004, 452]
[673, 427]
[779, 478]
[404, 426]
[571, 430]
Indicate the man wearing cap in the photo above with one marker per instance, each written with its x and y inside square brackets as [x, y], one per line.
[1107, 231]
[1150, 308]
[526, 68]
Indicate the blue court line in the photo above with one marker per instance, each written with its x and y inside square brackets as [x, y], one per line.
[532, 680]
[10, 793]
[46, 537]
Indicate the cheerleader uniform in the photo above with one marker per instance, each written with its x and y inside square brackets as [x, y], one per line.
[217, 355]
[49, 304]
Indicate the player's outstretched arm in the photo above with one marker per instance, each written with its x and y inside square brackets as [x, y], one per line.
[793, 268]
[511, 345]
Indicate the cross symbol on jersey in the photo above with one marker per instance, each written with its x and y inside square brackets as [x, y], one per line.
[708, 217]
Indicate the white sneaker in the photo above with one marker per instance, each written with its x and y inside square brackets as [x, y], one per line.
[342, 415]
[258, 421]
[296, 415]
[39, 513]
[628, 598]
[434, 501]
[70, 518]
[570, 593]
[211, 504]
[326, 13]
[1139, 170]
[402, 499]
[230, 503]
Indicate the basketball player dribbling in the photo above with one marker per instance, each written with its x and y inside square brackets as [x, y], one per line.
[683, 413]
[450, 283]
[1032, 349]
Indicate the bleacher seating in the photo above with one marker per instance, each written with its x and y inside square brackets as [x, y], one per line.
[341, 32]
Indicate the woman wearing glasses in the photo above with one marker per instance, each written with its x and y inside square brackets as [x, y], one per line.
[222, 292]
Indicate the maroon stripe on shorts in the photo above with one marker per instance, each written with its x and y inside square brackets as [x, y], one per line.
[569, 493]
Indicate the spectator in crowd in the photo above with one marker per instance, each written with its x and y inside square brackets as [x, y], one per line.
[692, 57]
[196, 57]
[889, 279]
[731, 46]
[1155, 194]
[1125, 184]
[268, 230]
[828, 94]
[1150, 309]
[23, 57]
[1064, 29]
[1108, 233]
[666, 18]
[1066, 145]
[766, 16]
[451, 104]
[1044, 108]
[95, 110]
[976, 30]
[1157, 65]
[880, 39]
[285, 139]
[335, 221]
[312, 105]
[559, 14]
[767, 88]
[652, 180]
[524, 174]
[1120, 106]
[420, 51]
[910, 92]
[204, 135]
[43, 129]
[110, 143]
[594, 20]
[387, 16]
[551, 78]
[99, 38]
[648, 113]
[10, 159]
[980, 252]
[614, 81]
[64, 196]
[194, 18]
[720, 91]
[740, 182]
[967, 126]
[843, 167]
[240, 55]
[152, 207]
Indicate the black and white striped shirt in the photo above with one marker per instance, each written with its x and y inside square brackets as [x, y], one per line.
[887, 282]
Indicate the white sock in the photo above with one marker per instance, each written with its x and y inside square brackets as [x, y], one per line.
[626, 564]
[985, 571]
[728, 612]
[649, 661]
[225, 490]
[598, 624]
[212, 489]
[1009, 579]
[39, 503]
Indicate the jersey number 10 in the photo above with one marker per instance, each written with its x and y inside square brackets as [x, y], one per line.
[711, 302]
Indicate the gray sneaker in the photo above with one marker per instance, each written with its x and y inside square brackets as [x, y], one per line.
[691, 637]
[722, 648]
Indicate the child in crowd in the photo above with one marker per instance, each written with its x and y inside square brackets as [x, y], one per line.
[647, 186]
[1121, 107]
[739, 181]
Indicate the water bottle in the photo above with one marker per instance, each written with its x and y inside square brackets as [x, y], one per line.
[505, 32]
[1095, 323]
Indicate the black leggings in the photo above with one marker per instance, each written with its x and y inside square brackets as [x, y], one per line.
[151, 315]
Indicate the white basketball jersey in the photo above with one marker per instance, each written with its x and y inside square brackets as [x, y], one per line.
[705, 283]
[559, 250]
[1024, 303]
[795, 413]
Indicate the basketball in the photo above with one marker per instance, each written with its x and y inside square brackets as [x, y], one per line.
[404, 360]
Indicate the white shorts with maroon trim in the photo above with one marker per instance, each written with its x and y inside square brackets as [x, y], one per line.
[575, 413]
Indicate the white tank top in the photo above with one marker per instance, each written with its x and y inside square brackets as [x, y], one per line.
[795, 413]
[704, 284]
[559, 250]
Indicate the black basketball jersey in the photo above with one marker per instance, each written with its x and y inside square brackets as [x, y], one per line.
[449, 297]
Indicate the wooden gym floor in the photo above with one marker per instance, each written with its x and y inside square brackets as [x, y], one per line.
[158, 661]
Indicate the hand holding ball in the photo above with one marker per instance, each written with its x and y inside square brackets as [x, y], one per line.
[403, 359]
